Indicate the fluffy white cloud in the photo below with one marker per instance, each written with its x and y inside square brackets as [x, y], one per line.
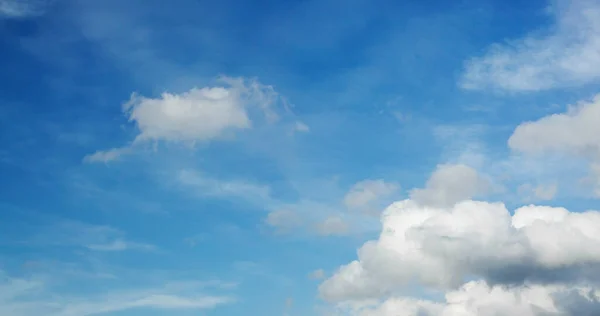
[449, 184]
[566, 55]
[476, 298]
[198, 115]
[364, 193]
[574, 133]
[443, 247]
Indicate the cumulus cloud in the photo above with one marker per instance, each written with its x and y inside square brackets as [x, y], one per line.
[198, 115]
[364, 193]
[575, 133]
[451, 183]
[476, 298]
[567, 54]
[442, 247]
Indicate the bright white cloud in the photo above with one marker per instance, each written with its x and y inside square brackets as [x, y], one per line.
[451, 183]
[567, 54]
[443, 247]
[198, 115]
[364, 193]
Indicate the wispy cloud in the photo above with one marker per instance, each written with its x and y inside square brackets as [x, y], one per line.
[22, 8]
[566, 55]
[78, 234]
[31, 297]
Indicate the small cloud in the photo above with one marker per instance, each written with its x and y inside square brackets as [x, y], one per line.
[318, 274]
[364, 193]
[284, 220]
[198, 115]
[332, 226]
[106, 155]
[301, 127]
[121, 245]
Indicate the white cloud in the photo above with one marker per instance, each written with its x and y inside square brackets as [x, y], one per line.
[332, 226]
[476, 298]
[106, 156]
[451, 183]
[441, 248]
[284, 220]
[575, 133]
[364, 193]
[567, 54]
[198, 115]
[301, 127]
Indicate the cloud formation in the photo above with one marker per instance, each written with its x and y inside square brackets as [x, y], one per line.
[575, 133]
[443, 247]
[451, 183]
[198, 115]
[568, 54]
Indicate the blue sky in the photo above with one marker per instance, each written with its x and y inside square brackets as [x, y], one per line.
[236, 157]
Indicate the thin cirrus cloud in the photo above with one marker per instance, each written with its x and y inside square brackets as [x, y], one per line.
[22, 8]
[199, 115]
[566, 55]
[31, 296]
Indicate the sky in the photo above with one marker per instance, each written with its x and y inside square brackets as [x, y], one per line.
[299, 158]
